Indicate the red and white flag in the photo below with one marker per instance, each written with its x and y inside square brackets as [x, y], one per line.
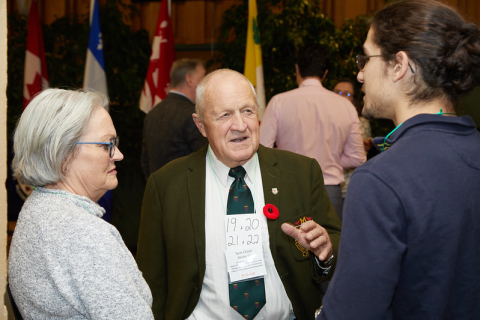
[35, 77]
[157, 81]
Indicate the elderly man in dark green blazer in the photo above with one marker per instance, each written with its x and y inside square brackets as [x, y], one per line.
[185, 244]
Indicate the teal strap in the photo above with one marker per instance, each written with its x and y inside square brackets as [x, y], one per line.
[442, 113]
[388, 135]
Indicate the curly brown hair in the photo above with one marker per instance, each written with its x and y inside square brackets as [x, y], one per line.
[443, 46]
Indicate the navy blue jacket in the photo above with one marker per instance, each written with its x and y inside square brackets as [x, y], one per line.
[410, 243]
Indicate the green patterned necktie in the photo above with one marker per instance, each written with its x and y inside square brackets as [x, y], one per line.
[246, 297]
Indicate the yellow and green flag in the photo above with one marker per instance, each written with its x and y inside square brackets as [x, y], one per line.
[253, 57]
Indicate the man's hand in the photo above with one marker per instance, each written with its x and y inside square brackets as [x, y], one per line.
[312, 237]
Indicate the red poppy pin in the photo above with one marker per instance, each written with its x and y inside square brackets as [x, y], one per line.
[270, 211]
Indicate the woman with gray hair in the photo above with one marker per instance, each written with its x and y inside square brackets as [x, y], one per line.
[65, 261]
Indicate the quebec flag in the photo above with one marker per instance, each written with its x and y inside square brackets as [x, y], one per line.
[94, 77]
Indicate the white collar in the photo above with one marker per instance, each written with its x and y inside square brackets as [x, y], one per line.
[311, 82]
[182, 94]
[222, 170]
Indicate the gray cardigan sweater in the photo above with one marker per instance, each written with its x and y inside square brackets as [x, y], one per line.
[67, 263]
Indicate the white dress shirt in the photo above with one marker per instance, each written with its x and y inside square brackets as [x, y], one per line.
[214, 299]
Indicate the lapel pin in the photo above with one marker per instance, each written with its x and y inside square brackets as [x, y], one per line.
[274, 190]
[270, 211]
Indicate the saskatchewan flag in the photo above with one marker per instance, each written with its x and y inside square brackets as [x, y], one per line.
[253, 57]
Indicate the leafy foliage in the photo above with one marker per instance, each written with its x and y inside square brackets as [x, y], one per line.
[284, 26]
[17, 38]
[126, 56]
[66, 40]
[126, 61]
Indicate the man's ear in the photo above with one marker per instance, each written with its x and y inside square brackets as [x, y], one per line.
[298, 75]
[324, 75]
[199, 124]
[189, 79]
[401, 68]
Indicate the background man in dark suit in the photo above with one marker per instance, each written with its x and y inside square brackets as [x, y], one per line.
[168, 131]
[183, 241]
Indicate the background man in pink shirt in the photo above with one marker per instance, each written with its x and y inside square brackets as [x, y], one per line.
[316, 122]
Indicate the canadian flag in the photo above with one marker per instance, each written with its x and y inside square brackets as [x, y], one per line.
[157, 81]
[35, 73]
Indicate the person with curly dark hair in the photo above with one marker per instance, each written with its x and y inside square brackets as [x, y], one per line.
[411, 222]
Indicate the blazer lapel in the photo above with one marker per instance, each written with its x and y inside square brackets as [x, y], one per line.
[196, 195]
[271, 190]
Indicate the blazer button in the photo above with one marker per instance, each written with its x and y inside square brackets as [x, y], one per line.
[196, 288]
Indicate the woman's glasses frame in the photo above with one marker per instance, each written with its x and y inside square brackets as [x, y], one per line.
[113, 144]
[343, 93]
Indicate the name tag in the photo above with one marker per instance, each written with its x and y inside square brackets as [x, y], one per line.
[244, 252]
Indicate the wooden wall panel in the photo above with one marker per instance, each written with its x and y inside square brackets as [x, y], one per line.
[196, 22]
[203, 55]
[373, 5]
[339, 12]
[188, 20]
[22, 6]
[470, 9]
[353, 7]
[349, 9]
[81, 8]
[50, 10]
[209, 34]
[328, 7]
[219, 7]
[149, 17]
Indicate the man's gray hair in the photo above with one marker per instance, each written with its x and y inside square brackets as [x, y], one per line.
[180, 69]
[47, 133]
[202, 99]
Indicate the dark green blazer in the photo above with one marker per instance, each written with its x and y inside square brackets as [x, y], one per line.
[171, 246]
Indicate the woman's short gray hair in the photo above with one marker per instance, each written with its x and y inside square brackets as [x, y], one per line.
[47, 133]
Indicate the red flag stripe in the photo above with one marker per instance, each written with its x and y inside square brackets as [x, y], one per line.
[35, 71]
[157, 81]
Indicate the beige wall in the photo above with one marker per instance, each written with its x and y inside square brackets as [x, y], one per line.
[3, 155]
